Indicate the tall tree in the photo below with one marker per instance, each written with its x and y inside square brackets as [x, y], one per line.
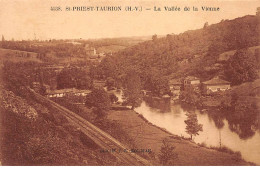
[154, 37]
[206, 24]
[193, 127]
[99, 99]
[157, 83]
[132, 92]
[258, 11]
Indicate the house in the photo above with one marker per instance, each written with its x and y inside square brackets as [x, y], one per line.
[192, 81]
[81, 92]
[175, 86]
[67, 92]
[215, 84]
[58, 93]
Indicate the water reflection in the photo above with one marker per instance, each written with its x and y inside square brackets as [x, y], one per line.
[163, 105]
[237, 130]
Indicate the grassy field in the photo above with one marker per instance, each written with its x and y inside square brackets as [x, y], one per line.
[8, 54]
[226, 55]
[110, 48]
[148, 136]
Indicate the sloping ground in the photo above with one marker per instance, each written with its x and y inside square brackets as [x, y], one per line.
[226, 55]
[110, 48]
[46, 139]
[248, 88]
[13, 55]
[17, 105]
[148, 136]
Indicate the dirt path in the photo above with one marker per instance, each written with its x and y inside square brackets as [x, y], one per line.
[148, 136]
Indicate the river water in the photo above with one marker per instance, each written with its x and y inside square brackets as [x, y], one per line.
[228, 131]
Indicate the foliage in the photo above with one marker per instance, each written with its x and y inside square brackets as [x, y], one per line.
[189, 95]
[110, 83]
[154, 37]
[132, 92]
[167, 155]
[113, 98]
[227, 150]
[21, 72]
[99, 99]
[192, 126]
[205, 25]
[74, 78]
[159, 85]
[241, 67]
[60, 49]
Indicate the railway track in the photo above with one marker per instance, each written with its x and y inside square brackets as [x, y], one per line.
[101, 138]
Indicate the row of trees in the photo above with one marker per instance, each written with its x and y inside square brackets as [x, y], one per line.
[60, 48]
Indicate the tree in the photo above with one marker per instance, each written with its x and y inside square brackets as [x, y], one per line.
[99, 99]
[167, 155]
[65, 79]
[110, 83]
[206, 25]
[84, 82]
[157, 83]
[192, 128]
[241, 67]
[132, 92]
[154, 37]
[74, 78]
[113, 98]
[189, 95]
[258, 11]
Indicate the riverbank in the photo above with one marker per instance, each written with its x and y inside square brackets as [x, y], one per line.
[148, 136]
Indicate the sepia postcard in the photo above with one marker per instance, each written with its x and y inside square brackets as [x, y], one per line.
[130, 82]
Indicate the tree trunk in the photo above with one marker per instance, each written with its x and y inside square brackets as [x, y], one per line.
[191, 136]
[219, 138]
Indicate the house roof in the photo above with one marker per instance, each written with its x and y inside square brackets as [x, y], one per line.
[215, 81]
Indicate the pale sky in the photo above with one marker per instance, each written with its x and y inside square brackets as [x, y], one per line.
[21, 19]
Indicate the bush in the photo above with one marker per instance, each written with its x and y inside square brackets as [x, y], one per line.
[167, 155]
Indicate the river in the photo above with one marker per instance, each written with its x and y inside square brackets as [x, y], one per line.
[234, 134]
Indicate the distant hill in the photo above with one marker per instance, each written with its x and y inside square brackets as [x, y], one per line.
[112, 45]
[194, 52]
